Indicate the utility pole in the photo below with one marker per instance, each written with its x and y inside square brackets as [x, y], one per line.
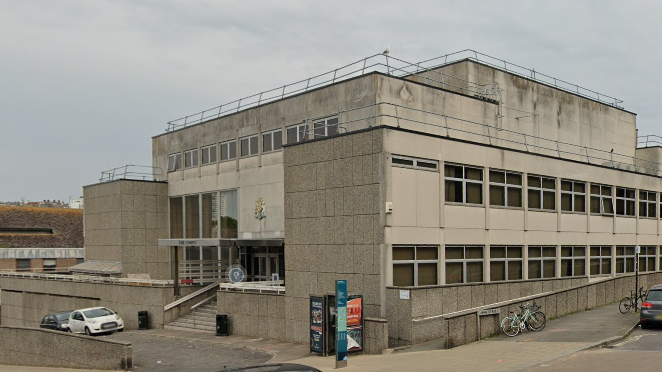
[637, 249]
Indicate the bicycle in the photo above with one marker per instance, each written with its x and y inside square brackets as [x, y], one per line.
[627, 303]
[529, 317]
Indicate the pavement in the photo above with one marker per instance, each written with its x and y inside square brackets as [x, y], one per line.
[561, 338]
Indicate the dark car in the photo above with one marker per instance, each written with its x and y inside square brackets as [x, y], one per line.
[651, 309]
[56, 321]
[284, 367]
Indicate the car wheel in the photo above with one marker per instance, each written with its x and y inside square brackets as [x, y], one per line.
[645, 326]
[69, 330]
[120, 330]
[87, 331]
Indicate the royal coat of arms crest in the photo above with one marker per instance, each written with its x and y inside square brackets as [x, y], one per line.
[260, 208]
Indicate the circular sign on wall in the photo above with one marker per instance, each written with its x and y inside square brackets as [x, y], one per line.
[236, 274]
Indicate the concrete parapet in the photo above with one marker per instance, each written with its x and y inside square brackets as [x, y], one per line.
[45, 348]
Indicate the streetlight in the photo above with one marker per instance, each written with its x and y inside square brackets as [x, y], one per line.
[637, 249]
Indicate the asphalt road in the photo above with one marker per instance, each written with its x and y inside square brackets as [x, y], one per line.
[642, 351]
[155, 351]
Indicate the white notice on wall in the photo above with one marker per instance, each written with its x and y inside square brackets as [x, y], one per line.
[404, 294]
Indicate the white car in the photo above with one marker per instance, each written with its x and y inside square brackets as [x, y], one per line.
[94, 320]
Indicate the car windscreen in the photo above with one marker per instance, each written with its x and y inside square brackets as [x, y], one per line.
[62, 316]
[654, 296]
[95, 313]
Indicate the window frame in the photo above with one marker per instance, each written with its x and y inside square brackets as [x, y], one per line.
[301, 131]
[176, 162]
[506, 187]
[573, 195]
[194, 161]
[250, 146]
[416, 262]
[272, 142]
[542, 259]
[210, 154]
[647, 205]
[507, 260]
[648, 257]
[23, 260]
[326, 126]
[573, 257]
[625, 256]
[229, 150]
[541, 192]
[464, 182]
[465, 261]
[600, 258]
[52, 267]
[601, 197]
[415, 163]
[626, 201]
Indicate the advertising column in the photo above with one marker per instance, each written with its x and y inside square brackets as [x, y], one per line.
[341, 328]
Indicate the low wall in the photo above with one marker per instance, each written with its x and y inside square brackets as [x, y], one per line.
[26, 300]
[375, 335]
[459, 328]
[45, 348]
[433, 301]
[254, 314]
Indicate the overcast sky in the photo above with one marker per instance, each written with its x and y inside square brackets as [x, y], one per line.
[84, 85]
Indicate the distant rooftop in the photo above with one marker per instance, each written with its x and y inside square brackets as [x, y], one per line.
[33, 227]
[383, 63]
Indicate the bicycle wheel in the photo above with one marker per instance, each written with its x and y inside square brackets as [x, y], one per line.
[537, 321]
[625, 305]
[510, 326]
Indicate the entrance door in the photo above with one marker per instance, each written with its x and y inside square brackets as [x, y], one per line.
[264, 264]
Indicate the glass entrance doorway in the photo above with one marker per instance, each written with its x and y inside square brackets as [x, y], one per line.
[264, 266]
[262, 262]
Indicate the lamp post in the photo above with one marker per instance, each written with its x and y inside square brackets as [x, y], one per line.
[637, 249]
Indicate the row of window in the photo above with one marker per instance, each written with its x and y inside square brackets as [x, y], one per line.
[48, 264]
[464, 184]
[418, 265]
[248, 146]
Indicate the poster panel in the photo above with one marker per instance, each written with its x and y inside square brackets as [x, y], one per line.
[355, 323]
[316, 324]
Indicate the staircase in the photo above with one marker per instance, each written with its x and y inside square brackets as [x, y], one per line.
[202, 318]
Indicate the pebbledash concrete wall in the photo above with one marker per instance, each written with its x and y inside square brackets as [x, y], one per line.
[459, 328]
[45, 348]
[25, 301]
[405, 315]
[123, 221]
[261, 315]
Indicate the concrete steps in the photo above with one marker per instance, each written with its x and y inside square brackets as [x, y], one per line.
[204, 319]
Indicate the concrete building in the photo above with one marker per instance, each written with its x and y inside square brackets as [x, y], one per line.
[435, 188]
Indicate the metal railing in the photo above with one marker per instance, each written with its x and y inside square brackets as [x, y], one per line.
[522, 71]
[194, 308]
[396, 115]
[131, 172]
[200, 272]
[87, 278]
[649, 141]
[261, 286]
[375, 63]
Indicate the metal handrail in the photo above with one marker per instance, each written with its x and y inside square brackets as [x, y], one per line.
[131, 172]
[530, 74]
[358, 68]
[194, 308]
[87, 278]
[192, 295]
[649, 140]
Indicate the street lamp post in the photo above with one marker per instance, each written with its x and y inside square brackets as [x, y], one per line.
[637, 249]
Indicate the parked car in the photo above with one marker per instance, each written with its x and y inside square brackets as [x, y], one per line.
[281, 367]
[56, 321]
[94, 320]
[651, 308]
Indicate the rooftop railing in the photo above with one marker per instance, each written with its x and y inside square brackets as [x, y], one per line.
[649, 141]
[131, 172]
[395, 115]
[86, 278]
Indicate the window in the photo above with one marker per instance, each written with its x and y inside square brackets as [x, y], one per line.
[208, 154]
[325, 127]
[542, 262]
[464, 264]
[625, 202]
[573, 261]
[601, 200]
[505, 263]
[23, 265]
[415, 265]
[647, 203]
[505, 188]
[541, 193]
[408, 162]
[248, 145]
[647, 258]
[624, 259]
[50, 264]
[79, 260]
[228, 150]
[296, 133]
[191, 158]
[600, 262]
[463, 184]
[174, 162]
[272, 141]
[573, 196]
